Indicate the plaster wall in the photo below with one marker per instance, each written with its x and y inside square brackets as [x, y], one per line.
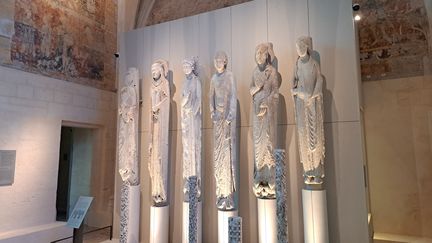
[398, 123]
[32, 111]
[237, 30]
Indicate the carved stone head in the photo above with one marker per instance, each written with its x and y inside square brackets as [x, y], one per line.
[130, 76]
[159, 68]
[264, 54]
[189, 66]
[220, 61]
[304, 46]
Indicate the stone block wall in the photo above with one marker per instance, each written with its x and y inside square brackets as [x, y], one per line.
[398, 126]
[32, 109]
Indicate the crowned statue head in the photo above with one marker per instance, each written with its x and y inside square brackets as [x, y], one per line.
[190, 66]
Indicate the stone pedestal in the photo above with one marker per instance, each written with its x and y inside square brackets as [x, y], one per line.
[267, 222]
[185, 234]
[159, 224]
[315, 216]
[223, 231]
[130, 214]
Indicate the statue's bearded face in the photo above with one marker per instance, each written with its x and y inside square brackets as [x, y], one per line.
[156, 72]
[220, 64]
[187, 68]
[261, 56]
[301, 49]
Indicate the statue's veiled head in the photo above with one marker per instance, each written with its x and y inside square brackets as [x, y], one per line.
[264, 54]
[159, 68]
[304, 46]
[220, 61]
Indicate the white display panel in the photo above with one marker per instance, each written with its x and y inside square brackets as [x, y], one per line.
[237, 30]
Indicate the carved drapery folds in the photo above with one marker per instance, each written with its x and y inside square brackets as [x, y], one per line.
[223, 110]
[308, 99]
[264, 90]
[191, 119]
[128, 113]
[159, 127]
[128, 128]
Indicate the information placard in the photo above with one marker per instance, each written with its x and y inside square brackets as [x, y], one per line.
[79, 212]
[7, 167]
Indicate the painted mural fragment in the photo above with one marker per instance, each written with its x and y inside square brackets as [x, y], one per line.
[394, 38]
[73, 40]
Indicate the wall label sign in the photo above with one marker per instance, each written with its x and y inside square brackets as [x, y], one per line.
[7, 167]
[79, 212]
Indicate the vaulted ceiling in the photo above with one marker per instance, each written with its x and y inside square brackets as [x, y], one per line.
[140, 13]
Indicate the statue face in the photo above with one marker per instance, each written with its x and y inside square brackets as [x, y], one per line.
[123, 95]
[156, 72]
[128, 80]
[301, 49]
[261, 56]
[187, 68]
[219, 64]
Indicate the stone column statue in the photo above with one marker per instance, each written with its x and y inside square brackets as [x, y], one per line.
[159, 127]
[128, 129]
[265, 97]
[308, 99]
[191, 119]
[128, 111]
[223, 110]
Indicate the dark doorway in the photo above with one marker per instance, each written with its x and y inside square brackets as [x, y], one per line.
[75, 168]
[63, 181]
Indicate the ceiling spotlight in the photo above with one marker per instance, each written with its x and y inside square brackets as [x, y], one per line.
[357, 17]
[356, 7]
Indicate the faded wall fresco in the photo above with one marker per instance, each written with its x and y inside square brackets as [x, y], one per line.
[394, 39]
[72, 40]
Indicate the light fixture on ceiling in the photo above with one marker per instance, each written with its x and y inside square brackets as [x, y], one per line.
[357, 17]
[356, 9]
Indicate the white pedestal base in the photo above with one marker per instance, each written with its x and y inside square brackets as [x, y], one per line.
[223, 224]
[315, 216]
[267, 222]
[159, 224]
[133, 214]
[185, 234]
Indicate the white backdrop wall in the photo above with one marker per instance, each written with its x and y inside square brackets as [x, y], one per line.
[33, 109]
[237, 30]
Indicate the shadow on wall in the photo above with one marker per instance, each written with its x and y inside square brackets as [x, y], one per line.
[172, 157]
[331, 171]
